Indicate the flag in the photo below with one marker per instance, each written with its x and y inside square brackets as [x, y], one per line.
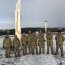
[17, 20]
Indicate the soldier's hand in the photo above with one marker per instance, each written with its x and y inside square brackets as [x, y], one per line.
[45, 40]
[38, 44]
[3, 46]
[22, 45]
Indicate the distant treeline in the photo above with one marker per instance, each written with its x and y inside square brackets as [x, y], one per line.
[12, 31]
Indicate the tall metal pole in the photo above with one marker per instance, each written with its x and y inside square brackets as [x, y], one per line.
[45, 26]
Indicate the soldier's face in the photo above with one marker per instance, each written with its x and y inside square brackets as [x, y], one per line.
[40, 31]
[59, 33]
[15, 36]
[24, 34]
[7, 36]
[49, 32]
[29, 31]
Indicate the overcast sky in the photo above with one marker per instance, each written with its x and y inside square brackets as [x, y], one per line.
[33, 13]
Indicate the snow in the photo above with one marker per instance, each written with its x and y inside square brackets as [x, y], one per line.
[38, 60]
[42, 59]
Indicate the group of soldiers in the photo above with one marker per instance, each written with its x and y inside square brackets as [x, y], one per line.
[8, 44]
[30, 43]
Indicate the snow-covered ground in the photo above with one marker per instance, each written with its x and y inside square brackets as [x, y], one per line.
[42, 59]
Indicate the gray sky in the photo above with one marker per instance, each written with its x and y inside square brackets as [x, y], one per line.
[33, 13]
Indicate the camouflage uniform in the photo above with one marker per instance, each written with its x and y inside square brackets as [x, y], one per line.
[34, 44]
[49, 42]
[16, 45]
[24, 44]
[41, 42]
[29, 39]
[7, 44]
[59, 43]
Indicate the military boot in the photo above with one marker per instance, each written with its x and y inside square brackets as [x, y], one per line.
[62, 53]
[29, 50]
[36, 51]
[47, 50]
[32, 50]
[52, 51]
[43, 50]
[6, 56]
[19, 54]
[39, 50]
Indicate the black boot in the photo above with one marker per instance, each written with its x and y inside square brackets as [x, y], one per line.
[39, 50]
[62, 55]
[36, 51]
[43, 50]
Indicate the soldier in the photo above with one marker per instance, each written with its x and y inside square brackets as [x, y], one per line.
[29, 38]
[16, 45]
[49, 42]
[34, 44]
[41, 42]
[7, 44]
[24, 43]
[59, 44]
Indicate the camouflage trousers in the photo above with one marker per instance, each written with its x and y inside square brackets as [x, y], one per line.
[50, 46]
[29, 47]
[25, 49]
[61, 49]
[34, 50]
[41, 47]
[17, 52]
[7, 52]
[41, 50]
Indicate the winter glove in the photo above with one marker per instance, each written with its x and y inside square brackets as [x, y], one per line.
[22, 45]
